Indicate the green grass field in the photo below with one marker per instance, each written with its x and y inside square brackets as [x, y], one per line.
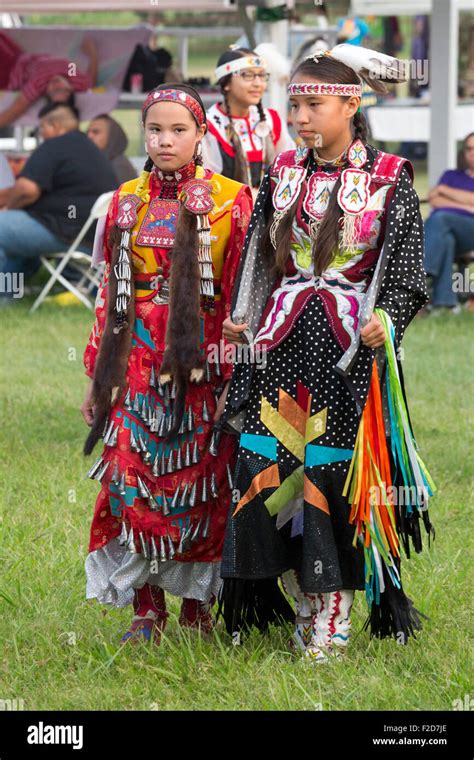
[60, 652]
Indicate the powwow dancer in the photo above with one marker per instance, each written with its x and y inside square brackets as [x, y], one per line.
[243, 136]
[173, 240]
[326, 442]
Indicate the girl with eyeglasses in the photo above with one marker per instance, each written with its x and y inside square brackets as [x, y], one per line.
[243, 136]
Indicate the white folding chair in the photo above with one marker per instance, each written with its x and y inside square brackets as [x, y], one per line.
[55, 262]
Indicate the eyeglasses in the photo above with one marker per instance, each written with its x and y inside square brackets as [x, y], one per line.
[250, 76]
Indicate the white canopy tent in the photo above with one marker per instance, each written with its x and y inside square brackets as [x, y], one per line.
[23, 7]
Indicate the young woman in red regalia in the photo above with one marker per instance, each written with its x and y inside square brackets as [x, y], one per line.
[172, 243]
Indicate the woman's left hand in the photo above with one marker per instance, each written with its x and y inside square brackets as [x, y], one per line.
[221, 402]
[373, 334]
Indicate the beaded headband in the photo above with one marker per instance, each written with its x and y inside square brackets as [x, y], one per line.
[311, 88]
[233, 67]
[175, 96]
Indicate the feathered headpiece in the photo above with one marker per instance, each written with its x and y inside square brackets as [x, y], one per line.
[370, 65]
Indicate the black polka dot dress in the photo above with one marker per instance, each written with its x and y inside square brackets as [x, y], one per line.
[298, 416]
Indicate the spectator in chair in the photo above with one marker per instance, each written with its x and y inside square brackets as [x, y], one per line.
[449, 230]
[109, 137]
[52, 197]
[36, 75]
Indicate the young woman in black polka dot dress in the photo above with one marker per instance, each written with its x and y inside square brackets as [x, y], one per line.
[243, 137]
[329, 486]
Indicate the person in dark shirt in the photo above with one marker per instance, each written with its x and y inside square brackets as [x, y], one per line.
[52, 197]
[449, 230]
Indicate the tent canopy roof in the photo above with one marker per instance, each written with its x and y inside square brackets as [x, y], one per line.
[23, 7]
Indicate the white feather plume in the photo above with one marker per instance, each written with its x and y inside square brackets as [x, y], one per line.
[278, 65]
[373, 67]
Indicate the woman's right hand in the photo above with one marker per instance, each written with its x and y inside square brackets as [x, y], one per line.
[87, 406]
[231, 331]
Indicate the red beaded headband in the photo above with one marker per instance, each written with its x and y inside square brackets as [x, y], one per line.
[175, 96]
[311, 88]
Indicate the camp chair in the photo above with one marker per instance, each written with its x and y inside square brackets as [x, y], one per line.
[79, 260]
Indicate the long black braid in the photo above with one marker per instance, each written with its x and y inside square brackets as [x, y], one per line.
[240, 164]
[269, 144]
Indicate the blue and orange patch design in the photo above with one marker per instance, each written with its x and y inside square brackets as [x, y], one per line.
[291, 426]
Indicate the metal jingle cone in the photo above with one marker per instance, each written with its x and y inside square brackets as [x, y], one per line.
[181, 541]
[184, 538]
[163, 464]
[115, 475]
[133, 441]
[218, 370]
[190, 420]
[205, 412]
[143, 545]
[165, 509]
[112, 441]
[127, 402]
[152, 381]
[170, 465]
[162, 426]
[156, 465]
[204, 489]
[144, 409]
[108, 431]
[192, 495]
[196, 457]
[182, 427]
[187, 455]
[153, 504]
[142, 443]
[131, 542]
[184, 495]
[136, 403]
[123, 538]
[171, 549]
[196, 532]
[175, 499]
[208, 371]
[174, 390]
[143, 490]
[163, 556]
[229, 477]
[153, 550]
[216, 434]
[122, 485]
[214, 491]
[205, 531]
[179, 460]
[151, 417]
[102, 472]
[95, 468]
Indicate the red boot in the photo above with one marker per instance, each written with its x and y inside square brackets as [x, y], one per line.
[197, 615]
[150, 615]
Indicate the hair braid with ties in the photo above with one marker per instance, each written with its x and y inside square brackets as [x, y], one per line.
[325, 246]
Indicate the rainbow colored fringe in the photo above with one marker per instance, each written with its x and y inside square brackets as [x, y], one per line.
[369, 484]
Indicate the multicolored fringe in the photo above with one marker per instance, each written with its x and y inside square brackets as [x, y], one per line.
[413, 472]
[373, 478]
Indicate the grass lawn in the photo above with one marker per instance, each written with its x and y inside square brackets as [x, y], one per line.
[60, 652]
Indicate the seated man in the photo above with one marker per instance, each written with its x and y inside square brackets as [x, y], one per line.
[449, 230]
[52, 197]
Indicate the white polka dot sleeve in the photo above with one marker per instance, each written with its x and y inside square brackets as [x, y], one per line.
[403, 290]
